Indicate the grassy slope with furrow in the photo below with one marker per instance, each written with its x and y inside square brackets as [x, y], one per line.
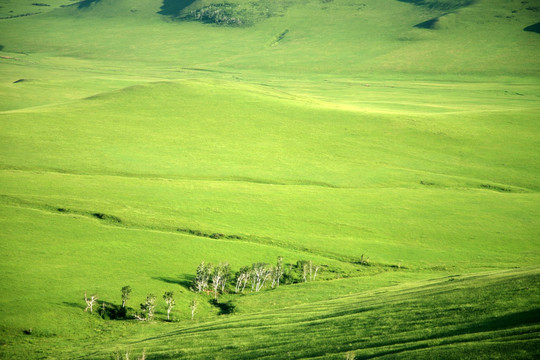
[449, 317]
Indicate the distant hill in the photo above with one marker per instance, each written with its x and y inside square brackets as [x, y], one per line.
[321, 36]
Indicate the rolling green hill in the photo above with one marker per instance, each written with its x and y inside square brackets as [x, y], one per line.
[139, 138]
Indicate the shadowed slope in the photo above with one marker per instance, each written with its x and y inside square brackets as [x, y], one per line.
[492, 315]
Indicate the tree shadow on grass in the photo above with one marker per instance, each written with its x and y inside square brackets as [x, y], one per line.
[74, 305]
[86, 3]
[533, 28]
[441, 5]
[185, 280]
[225, 308]
[174, 7]
[430, 24]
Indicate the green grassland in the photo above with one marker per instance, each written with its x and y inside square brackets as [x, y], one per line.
[132, 132]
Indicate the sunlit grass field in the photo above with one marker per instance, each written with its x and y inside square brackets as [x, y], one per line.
[331, 131]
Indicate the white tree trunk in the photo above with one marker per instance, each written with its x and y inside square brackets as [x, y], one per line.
[140, 318]
[315, 274]
[90, 302]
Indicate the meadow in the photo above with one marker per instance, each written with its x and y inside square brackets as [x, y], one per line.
[139, 138]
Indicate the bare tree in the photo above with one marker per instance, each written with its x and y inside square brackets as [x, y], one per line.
[364, 261]
[217, 278]
[261, 273]
[203, 276]
[90, 302]
[118, 356]
[242, 278]
[304, 272]
[289, 274]
[316, 269]
[252, 277]
[193, 307]
[139, 317]
[143, 355]
[148, 309]
[126, 291]
[309, 270]
[150, 306]
[277, 272]
[168, 297]
[226, 275]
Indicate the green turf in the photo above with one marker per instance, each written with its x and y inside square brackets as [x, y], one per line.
[322, 130]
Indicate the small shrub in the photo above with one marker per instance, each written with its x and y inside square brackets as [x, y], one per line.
[495, 188]
[363, 261]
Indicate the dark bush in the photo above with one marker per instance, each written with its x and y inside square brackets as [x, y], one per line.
[112, 312]
[220, 14]
[225, 308]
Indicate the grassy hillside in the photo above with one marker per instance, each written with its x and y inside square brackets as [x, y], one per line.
[139, 138]
[247, 166]
[399, 322]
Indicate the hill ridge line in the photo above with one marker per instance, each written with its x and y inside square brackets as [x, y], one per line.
[480, 184]
[111, 220]
[155, 177]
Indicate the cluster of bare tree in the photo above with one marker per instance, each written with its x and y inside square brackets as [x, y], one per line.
[309, 271]
[258, 275]
[214, 276]
[212, 279]
[111, 311]
[127, 355]
[147, 308]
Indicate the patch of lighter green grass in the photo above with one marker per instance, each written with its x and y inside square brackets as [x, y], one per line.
[201, 130]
